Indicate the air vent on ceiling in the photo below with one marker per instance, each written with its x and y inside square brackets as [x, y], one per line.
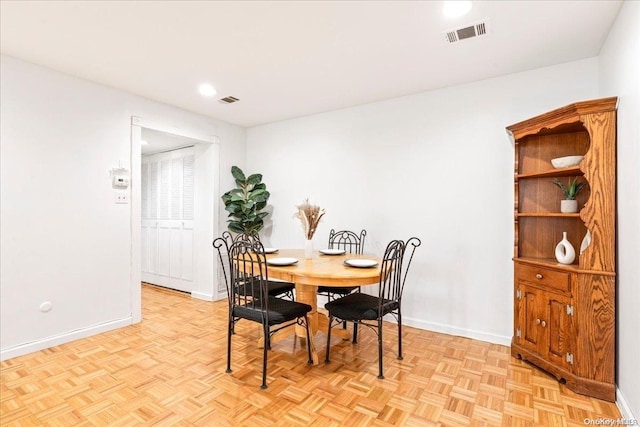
[229, 100]
[467, 32]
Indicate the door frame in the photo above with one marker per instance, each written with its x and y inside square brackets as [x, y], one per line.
[206, 205]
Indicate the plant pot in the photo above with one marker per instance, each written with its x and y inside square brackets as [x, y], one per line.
[568, 206]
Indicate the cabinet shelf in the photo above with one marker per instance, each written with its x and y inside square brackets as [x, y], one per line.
[552, 173]
[547, 215]
[548, 262]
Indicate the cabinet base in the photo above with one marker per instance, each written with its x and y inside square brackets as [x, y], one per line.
[586, 386]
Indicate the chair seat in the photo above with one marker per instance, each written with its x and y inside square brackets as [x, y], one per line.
[280, 311]
[345, 290]
[274, 288]
[359, 306]
[277, 288]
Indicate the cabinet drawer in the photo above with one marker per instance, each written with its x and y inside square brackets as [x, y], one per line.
[548, 278]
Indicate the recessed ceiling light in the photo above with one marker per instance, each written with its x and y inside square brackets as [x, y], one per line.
[143, 142]
[207, 90]
[454, 9]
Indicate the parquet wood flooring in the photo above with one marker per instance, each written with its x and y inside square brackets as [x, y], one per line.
[169, 371]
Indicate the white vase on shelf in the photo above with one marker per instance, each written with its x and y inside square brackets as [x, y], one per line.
[308, 249]
[565, 253]
[585, 242]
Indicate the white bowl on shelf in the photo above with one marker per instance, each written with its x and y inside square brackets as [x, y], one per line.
[565, 162]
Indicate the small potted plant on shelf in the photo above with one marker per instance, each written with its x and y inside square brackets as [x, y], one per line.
[570, 191]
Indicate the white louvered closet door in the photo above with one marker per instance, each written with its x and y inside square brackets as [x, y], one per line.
[167, 219]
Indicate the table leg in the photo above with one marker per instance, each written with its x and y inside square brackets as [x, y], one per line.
[308, 295]
[317, 321]
[323, 325]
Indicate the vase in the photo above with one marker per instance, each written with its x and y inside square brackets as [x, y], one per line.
[308, 249]
[568, 206]
[585, 242]
[565, 254]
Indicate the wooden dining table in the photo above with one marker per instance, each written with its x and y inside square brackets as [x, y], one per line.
[320, 270]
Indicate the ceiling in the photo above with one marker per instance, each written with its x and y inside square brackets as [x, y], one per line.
[286, 59]
[159, 142]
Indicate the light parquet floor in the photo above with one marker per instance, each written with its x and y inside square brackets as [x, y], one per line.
[169, 371]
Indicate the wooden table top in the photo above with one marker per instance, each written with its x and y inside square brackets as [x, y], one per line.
[325, 270]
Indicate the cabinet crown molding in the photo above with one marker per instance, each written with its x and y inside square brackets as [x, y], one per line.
[568, 116]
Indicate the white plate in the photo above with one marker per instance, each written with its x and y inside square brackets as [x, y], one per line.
[332, 251]
[282, 261]
[361, 263]
[270, 250]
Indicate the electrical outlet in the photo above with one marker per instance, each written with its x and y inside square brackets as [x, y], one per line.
[46, 306]
[121, 197]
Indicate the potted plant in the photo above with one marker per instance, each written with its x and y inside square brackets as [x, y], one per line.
[245, 202]
[570, 191]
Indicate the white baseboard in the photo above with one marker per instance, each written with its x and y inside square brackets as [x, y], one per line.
[202, 296]
[30, 347]
[452, 330]
[623, 406]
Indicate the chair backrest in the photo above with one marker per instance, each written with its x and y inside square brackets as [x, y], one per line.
[347, 240]
[245, 272]
[391, 272]
[394, 268]
[223, 245]
[410, 248]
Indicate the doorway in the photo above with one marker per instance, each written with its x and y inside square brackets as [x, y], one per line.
[189, 209]
[167, 213]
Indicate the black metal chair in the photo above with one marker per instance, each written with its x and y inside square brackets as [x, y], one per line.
[244, 262]
[276, 288]
[352, 243]
[362, 309]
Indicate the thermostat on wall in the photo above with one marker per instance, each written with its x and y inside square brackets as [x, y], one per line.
[120, 181]
[120, 178]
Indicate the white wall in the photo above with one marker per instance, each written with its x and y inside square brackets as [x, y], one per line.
[620, 76]
[62, 237]
[437, 165]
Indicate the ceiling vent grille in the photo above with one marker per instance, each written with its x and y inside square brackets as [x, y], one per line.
[468, 32]
[229, 100]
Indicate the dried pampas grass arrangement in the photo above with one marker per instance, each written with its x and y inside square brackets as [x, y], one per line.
[309, 215]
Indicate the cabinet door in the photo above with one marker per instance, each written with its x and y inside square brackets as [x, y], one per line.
[557, 325]
[544, 323]
[529, 319]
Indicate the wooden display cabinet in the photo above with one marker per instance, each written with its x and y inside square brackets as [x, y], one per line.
[564, 315]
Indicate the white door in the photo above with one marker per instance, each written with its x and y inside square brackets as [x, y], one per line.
[167, 218]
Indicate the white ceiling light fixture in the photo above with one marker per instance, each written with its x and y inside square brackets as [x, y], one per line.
[207, 90]
[454, 9]
[144, 142]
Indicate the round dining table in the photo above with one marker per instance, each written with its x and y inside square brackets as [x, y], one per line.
[320, 270]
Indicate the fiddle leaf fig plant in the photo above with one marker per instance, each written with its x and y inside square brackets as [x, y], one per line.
[570, 191]
[245, 202]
